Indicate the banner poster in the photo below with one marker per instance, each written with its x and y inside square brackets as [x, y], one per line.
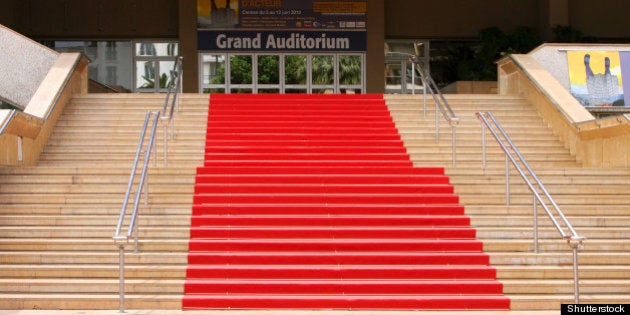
[282, 14]
[596, 77]
[282, 25]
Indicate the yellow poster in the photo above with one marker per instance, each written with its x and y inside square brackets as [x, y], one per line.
[217, 13]
[282, 14]
[596, 78]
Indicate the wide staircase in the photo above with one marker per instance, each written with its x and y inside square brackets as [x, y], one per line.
[596, 200]
[57, 219]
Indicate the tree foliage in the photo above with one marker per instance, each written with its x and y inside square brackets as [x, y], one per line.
[475, 61]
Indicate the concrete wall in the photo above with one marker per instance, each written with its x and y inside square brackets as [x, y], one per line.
[33, 127]
[24, 65]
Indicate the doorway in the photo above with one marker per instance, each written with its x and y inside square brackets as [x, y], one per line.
[260, 73]
[401, 76]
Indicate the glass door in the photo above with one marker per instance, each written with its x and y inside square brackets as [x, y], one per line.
[323, 74]
[268, 74]
[401, 76]
[213, 73]
[240, 80]
[281, 73]
[394, 76]
[295, 73]
[350, 69]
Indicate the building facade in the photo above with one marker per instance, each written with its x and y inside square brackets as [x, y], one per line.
[281, 46]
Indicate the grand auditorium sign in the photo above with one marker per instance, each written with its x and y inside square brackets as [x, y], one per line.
[279, 25]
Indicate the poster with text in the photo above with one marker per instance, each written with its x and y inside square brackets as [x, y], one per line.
[597, 77]
[282, 14]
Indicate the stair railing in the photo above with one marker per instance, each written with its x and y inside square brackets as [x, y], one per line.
[513, 156]
[175, 89]
[120, 237]
[441, 105]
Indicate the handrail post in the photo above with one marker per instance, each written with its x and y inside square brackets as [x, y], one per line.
[146, 192]
[535, 202]
[135, 239]
[172, 124]
[413, 79]
[153, 147]
[120, 242]
[424, 97]
[166, 143]
[20, 150]
[454, 146]
[437, 122]
[576, 279]
[507, 181]
[483, 146]
[121, 285]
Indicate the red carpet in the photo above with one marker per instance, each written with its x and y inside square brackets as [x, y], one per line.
[311, 202]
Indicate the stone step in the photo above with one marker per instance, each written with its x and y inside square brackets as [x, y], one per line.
[95, 244]
[90, 209]
[90, 286]
[106, 260]
[81, 301]
[13, 236]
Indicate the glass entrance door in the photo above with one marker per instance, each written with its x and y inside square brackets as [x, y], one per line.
[282, 73]
[241, 74]
[350, 73]
[323, 74]
[268, 74]
[401, 76]
[213, 73]
[295, 73]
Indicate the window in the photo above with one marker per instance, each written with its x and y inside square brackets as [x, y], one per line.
[112, 75]
[110, 61]
[157, 49]
[154, 62]
[111, 52]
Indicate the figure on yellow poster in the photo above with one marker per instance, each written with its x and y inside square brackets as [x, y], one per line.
[217, 13]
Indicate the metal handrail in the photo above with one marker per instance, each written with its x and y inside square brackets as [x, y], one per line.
[568, 232]
[441, 104]
[445, 108]
[174, 88]
[5, 124]
[120, 238]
